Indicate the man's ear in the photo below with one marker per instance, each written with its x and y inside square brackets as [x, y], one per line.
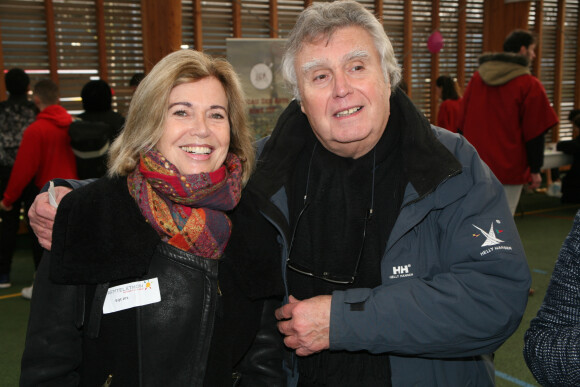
[36, 100]
[523, 50]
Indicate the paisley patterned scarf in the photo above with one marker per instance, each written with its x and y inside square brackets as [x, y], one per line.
[188, 211]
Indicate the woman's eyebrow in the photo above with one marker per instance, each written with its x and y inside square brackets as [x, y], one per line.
[218, 107]
[187, 104]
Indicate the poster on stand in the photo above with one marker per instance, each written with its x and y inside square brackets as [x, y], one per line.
[257, 63]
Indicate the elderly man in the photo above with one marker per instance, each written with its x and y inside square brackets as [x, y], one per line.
[401, 262]
[395, 236]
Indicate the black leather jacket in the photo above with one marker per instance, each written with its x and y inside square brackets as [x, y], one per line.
[70, 342]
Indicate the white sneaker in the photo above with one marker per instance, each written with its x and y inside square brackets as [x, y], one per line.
[27, 292]
[5, 281]
[555, 189]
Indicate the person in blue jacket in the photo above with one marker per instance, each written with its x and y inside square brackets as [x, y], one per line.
[400, 259]
[391, 240]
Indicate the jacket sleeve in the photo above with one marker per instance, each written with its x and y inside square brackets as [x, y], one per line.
[535, 153]
[552, 343]
[73, 184]
[52, 350]
[465, 283]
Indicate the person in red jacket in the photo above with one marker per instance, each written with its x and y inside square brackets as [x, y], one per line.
[44, 154]
[450, 107]
[506, 113]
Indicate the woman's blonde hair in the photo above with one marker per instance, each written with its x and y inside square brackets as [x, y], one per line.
[147, 112]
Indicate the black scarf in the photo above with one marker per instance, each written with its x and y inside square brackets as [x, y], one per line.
[329, 238]
[340, 192]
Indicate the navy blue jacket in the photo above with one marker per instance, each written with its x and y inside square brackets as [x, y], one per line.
[454, 274]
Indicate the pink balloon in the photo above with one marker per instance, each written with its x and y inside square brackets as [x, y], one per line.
[435, 42]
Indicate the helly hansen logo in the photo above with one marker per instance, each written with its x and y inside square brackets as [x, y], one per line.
[492, 241]
[401, 271]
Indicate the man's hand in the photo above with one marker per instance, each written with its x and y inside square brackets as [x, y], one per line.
[306, 324]
[3, 207]
[536, 180]
[42, 213]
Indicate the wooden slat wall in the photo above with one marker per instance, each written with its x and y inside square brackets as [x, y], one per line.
[577, 83]
[24, 48]
[124, 48]
[435, 23]
[273, 18]
[379, 10]
[162, 31]
[461, 42]
[393, 16]
[500, 19]
[101, 39]
[51, 40]
[538, 30]
[569, 66]
[558, 64]
[422, 59]
[237, 18]
[2, 68]
[408, 46]
[198, 24]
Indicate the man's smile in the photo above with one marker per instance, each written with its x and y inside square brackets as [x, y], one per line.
[348, 112]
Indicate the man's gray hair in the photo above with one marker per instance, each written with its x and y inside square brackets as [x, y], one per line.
[323, 19]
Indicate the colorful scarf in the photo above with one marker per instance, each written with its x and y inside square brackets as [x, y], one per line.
[188, 211]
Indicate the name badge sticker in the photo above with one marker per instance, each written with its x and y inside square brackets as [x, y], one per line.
[131, 295]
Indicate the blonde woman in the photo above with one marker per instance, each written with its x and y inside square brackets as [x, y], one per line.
[129, 294]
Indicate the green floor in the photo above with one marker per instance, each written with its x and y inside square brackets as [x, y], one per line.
[14, 315]
[543, 224]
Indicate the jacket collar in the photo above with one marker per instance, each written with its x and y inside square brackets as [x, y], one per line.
[498, 69]
[426, 161]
